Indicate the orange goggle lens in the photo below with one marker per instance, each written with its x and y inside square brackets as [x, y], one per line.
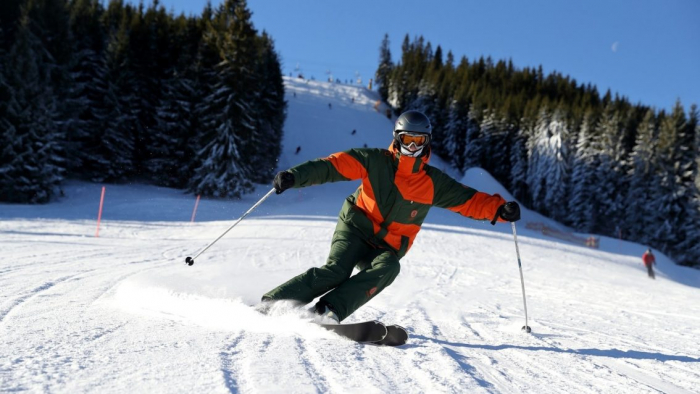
[408, 139]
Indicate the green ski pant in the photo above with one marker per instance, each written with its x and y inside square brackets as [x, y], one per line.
[345, 294]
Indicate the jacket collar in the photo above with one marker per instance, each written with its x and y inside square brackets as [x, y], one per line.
[408, 165]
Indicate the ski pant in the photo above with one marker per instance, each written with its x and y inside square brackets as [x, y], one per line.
[650, 270]
[345, 294]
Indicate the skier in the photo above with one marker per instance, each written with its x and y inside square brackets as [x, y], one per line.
[379, 222]
[649, 261]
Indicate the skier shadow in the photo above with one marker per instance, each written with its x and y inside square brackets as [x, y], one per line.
[612, 353]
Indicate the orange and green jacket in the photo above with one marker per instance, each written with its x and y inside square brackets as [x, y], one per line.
[396, 193]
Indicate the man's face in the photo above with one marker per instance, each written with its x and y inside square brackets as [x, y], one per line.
[412, 143]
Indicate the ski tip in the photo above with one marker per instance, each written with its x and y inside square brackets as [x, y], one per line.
[527, 329]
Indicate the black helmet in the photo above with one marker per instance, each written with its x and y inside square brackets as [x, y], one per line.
[412, 133]
[413, 121]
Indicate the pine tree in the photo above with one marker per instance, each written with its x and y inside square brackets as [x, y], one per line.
[10, 13]
[266, 143]
[687, 232]
[539, 161]
[670, 194]
[145, 63]
[109, 147]
[474, 146]
[425, 100]
[88, 73]
[227, 117]
[582, 203]
[639, 213]
[500, 142]
[518, 169]
[32, 166]
[558, 169]
[611, 172]
[49, 22]
[456, 131]
[384, 70]
[172, 145]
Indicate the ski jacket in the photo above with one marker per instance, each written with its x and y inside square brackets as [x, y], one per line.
[396, 193]
[648, 259]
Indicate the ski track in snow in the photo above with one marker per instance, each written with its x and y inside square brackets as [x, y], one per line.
[122, 313]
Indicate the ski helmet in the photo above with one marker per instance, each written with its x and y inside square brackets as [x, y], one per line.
[412, 130]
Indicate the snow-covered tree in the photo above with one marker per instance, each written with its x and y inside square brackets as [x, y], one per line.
[88, 73]
[172, 150]
[227, 114]
[474, 149]
[558, 168]
[31, 168]
[583, 204]
[384, 69]
[265, 144]
[639, 215]
[109, 146]
[456, 132]
[518, 169]
[670, 194]
[685, 169]
[497, 136]
[611, 172]
[539, 161]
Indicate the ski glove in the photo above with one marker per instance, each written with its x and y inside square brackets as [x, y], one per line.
[283, 181]
[510, 212]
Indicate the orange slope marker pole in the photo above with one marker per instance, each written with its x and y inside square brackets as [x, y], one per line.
[194, 212]
[99, 213]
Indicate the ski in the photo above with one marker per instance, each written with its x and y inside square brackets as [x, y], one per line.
[364, 332]
[370, 332]
[395, 336]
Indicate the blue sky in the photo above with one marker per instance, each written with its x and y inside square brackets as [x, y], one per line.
[646, 50]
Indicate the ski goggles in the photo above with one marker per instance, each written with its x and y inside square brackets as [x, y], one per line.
[407, 138]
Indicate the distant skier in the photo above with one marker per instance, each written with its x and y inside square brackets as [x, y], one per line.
[330, 106]
[379, 222]
[298, 150]
[353, 132]
[649, 261]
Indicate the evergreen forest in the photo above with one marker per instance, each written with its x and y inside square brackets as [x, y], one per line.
[592, 161]
[111, 92]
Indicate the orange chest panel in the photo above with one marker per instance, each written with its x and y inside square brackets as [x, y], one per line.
[416, 187]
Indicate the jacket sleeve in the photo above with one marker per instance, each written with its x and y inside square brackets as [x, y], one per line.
[456, 197]
[341, 166]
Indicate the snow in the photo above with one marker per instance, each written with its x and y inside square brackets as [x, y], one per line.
[123, 313]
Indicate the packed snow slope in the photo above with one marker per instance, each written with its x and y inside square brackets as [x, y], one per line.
[122, 313]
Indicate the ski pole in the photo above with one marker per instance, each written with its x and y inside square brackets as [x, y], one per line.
[525, 328]
[190, 260]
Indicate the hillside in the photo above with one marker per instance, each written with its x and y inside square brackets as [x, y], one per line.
[122, 313]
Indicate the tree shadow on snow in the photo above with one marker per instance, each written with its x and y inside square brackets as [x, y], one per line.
[613, 353]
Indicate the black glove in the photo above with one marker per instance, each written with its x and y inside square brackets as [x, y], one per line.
[283, 181]
[509, 212]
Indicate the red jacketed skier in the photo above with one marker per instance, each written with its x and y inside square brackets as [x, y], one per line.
[379, 222]
[649, 261]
